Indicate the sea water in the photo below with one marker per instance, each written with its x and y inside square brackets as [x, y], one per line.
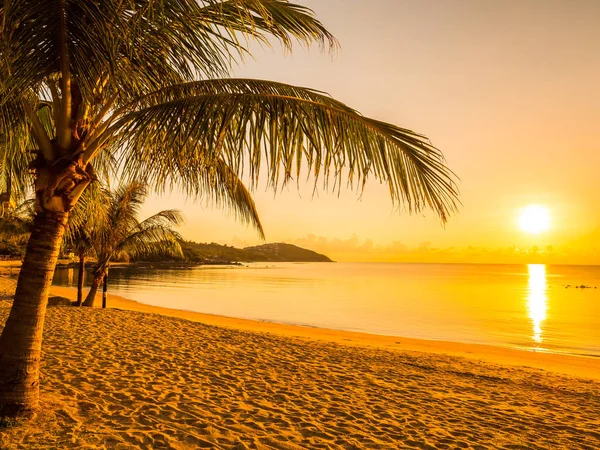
[524, 306]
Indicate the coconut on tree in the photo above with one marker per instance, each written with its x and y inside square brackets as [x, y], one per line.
[144, 84]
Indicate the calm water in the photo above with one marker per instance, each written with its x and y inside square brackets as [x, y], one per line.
[504, 305]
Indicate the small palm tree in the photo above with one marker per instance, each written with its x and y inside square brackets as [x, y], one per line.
[121, 234]
[82, 248]
[90, 210]
[84, 83]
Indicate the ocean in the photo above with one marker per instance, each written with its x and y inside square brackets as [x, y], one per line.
[533, 306]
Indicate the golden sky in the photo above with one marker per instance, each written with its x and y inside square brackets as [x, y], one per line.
[508, 90]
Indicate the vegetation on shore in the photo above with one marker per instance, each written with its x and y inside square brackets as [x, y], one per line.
[191, 252]
[275, 252]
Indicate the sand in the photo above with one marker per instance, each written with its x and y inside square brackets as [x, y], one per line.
[564, 364]
[126, 379]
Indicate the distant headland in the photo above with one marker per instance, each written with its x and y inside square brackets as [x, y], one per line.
[275, 252]
[195, 253]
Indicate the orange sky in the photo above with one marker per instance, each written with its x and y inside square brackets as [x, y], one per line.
[510, 91]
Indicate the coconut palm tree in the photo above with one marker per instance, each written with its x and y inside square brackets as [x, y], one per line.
[90, 210]
[144, 84]
[93, 220]
[82, 248]
[120, 234]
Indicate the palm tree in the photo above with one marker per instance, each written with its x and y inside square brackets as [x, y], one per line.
[85, 83]
[83, 246]
[120, 233]
[90, 210]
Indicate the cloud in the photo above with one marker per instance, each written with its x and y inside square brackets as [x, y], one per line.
[324, 244]
[355, 249]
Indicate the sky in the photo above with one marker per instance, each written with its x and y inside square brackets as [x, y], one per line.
[509, 91]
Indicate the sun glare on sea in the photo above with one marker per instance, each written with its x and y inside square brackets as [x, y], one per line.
[537, 301]
[534, 219]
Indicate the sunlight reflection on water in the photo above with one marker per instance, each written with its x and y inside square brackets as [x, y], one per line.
[530, 307]
[537, 301]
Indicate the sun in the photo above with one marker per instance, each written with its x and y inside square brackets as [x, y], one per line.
[534, 219]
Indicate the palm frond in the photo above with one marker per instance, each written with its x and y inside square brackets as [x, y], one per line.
[89, 214]
[151, 240]
[153, 236]
[166, 218]
[260, 19]
[125, 204]
[226, 189]
[18, 221]
[15, 146]
[105, 224]
[140, 45]
[120, 76]
[255, 125]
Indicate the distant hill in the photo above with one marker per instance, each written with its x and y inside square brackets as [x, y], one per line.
[285, 252]
[279, 252]
[11, 247]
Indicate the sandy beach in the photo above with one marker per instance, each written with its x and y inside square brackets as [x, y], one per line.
[137, 376]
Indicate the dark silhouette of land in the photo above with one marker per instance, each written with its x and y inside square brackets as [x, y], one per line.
[276, 252]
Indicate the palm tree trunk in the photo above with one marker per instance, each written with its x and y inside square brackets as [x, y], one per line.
[91, 297]
[105, 289]
[21, 339]
[80, 279]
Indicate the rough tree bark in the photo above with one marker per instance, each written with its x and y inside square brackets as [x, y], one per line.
[21, 339]
[80, 279]
[104, 289]
[91, 296]
[58, 185]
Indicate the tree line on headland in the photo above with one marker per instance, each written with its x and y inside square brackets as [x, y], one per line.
[274, 252]
[15, 229]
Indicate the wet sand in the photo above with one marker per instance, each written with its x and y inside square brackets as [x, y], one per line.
[129, 377]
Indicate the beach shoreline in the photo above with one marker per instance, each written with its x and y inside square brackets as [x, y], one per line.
[572, 365]
[585, 366]
[136, 376]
